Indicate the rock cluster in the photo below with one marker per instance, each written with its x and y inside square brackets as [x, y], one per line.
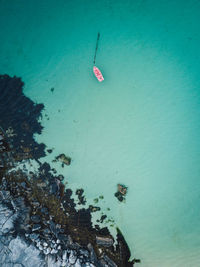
[42, 210]
[121, 192]
[65, 160]
[36, 222]
[19, 119]
[81, 198]
[49, 237]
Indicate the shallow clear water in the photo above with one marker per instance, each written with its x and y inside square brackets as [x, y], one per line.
[139, 127]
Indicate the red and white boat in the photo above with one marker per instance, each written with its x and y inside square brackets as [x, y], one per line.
[98, 74]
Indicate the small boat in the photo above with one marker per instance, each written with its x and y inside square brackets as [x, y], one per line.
[98, 74]
[96, 71]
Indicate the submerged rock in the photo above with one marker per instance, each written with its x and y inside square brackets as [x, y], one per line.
[121, 192]
[63, 158]
[81, 198]
[103, 217]
[93, 208]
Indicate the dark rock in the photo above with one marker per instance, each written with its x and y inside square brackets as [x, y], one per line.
[135, 261]
[28, 230]
[44, 210]
[82, 200]
[23, 184]
[21, 116]
[35, 203]
[45, 168]
[62, 237]
[53, 228]
[60, 177]
[122, 248]
[110, 262]
[93, 208]
[68, 202]
[35, 218]
[79, 193]
[119, 196]
[103, 217]
[5, 194]
[93, 256]
[46, 231]
[97, 227]
[54, 188]
[121, 192]
[103, 263]
[54, 170]
[19, 202]
[84, 252]
[104, 231]
[83, 218]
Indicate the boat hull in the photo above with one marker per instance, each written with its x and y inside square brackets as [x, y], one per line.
[98, 74]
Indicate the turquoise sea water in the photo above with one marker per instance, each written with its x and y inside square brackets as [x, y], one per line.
[139, 127]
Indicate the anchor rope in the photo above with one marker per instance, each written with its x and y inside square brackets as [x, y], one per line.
[97, 42]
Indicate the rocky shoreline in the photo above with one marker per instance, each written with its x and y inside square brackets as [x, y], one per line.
[42, 211]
